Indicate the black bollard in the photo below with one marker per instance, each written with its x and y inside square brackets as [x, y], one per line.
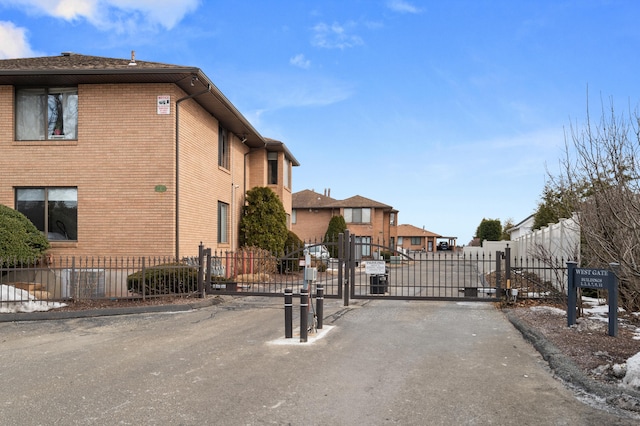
[320, 304]
[304, 312]
[288, 313]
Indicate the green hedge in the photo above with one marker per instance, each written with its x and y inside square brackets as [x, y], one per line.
[171, 278]
[19, 239]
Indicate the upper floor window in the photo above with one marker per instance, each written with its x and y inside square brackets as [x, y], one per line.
[392, 219]
[359, 215]
[46, 113]
[54, 211]
[272, 168]
[294, 216]
[223, 148]
[287, 173]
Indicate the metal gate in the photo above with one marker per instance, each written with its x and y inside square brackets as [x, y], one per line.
[376, 271]
[361, 269]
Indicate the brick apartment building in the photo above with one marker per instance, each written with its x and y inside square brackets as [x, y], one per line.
[371, 221]
[112, 157]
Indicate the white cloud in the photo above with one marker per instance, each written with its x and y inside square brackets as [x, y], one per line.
[300, 61]
[13, 42]
[403, 6]
[335, 36]
[118, 15]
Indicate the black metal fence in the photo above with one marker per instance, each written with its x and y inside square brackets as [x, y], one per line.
[65, 279]
[415, 275]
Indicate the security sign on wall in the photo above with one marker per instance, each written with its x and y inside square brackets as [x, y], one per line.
[164, 104]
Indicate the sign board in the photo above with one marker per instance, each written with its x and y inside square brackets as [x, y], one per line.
[375, 267]
[164, 104]
[593, 278]
[601, 279]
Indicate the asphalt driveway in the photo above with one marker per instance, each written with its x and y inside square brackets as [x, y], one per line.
[376, 363]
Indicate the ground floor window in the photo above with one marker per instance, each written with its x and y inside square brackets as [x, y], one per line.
[223, 222]
[54, 211]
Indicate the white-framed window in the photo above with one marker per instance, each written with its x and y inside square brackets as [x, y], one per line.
[294, 216]
[392, 219]
[46, 113]
[359, 215]
[54, 211]
[287, 173]
[223, 222]
[272, 168]
[224, 157]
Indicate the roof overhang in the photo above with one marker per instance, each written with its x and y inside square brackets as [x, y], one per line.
[190, 80]
[277, 146]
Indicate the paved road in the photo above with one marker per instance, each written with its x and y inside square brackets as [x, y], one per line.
[381, 363]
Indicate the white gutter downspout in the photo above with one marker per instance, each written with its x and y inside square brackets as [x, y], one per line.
[208, 89]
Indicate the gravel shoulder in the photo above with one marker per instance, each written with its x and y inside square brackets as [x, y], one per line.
[584, 355]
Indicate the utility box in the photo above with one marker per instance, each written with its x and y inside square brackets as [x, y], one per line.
[310, 274]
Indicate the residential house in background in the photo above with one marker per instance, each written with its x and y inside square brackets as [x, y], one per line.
[370, 221]
[412, 238]
[311, 213]
[522, 228]
[112, 157]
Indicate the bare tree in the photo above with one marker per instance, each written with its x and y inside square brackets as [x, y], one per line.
[602, 179]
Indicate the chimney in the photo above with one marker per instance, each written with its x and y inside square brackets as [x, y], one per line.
[329, 192]
[133, 58]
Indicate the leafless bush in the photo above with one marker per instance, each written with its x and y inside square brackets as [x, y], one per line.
[602, 178]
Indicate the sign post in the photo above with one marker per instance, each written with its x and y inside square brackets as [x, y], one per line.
[600, 279]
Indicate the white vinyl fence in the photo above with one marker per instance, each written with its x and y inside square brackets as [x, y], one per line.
[548, 248]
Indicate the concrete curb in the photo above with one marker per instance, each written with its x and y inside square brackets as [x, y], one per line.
[53, 315]
[569, 372]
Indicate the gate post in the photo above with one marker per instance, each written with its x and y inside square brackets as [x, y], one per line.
[343, 254]
[507, 271]
[498, 272]
[207, 276]
[201, 269]
[352, 263]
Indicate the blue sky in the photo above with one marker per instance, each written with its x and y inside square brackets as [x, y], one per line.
[449, 111]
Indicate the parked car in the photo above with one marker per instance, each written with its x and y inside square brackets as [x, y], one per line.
[319, 252]
[443, 245]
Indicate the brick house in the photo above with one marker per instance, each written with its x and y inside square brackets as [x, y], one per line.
[413, 238]
[371, 221]
[114, 157]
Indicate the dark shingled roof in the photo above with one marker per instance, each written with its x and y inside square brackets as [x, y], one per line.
[75, 62]
[71, 69]
[307, 199]
[359, 201]
[414, 231]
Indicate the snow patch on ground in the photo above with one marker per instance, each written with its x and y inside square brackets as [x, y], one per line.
[17, 300]
[550, 309]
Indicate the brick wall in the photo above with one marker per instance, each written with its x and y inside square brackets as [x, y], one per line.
[311, 225]
[123, 152]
